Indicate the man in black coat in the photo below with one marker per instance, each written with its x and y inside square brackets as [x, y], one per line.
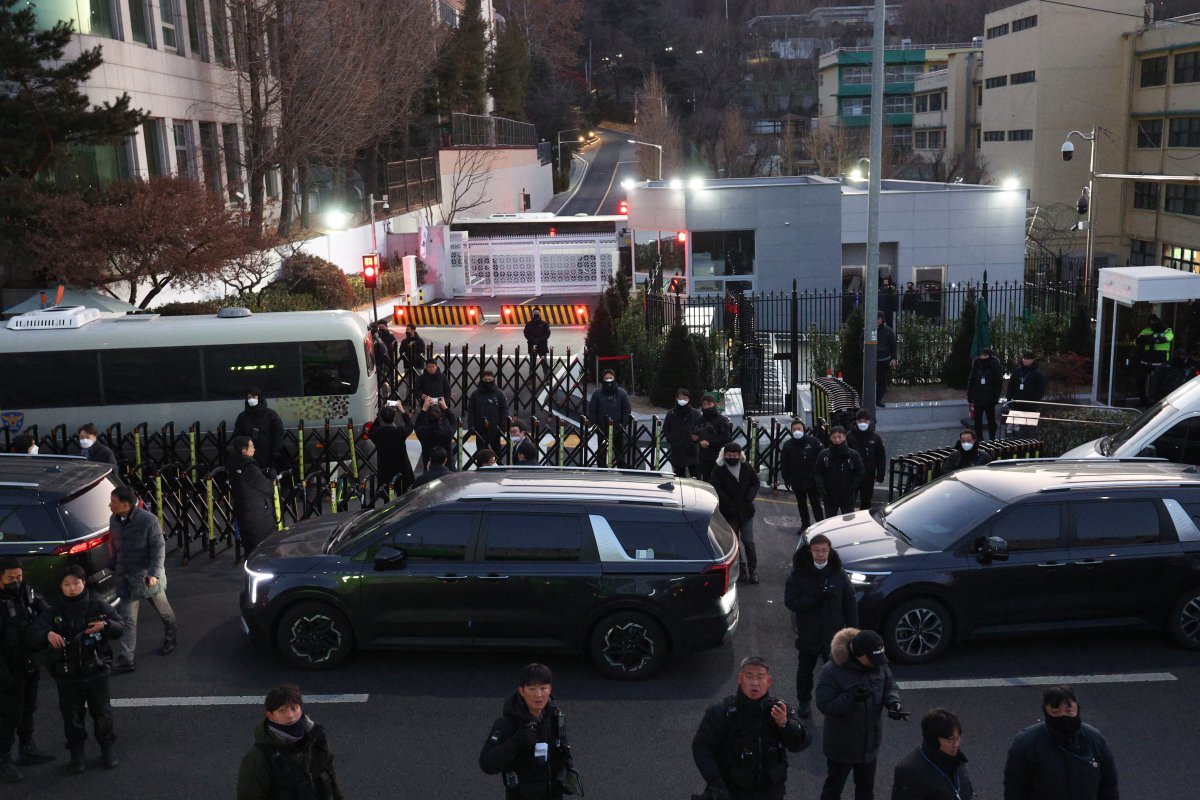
[983, 391]
[885, 357]
[412, 349]
[678, 424]
[797, 466]
[610, 404]
[487, 412]
[527, 746]
[435, 469]
[742, 743]
[521, 449]
[435, 427]
[1060, 758]
[839, 474]
[91, 448]
[20, 608]
[966, 453]
[390, 434]
[869, 446]
[855, 687]
[433, 384]
[537, 334]
[1028, 384]
[253, 494]
[821, 599]
[711, 435]
[263, 425]
[737, 485]
[937, 770]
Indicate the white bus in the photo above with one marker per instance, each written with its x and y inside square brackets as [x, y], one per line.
[65, 365]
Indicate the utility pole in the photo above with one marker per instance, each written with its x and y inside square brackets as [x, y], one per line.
[871, 290]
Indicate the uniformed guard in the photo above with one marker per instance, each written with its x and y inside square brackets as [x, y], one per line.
[1154, 347]
[20, 607]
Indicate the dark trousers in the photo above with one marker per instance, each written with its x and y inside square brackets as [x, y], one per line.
[748, 553]
[684, 470]
[805, 664]
[980, 410]
[804, 499]
[883, 375]
[16, 712]
[94, 697]
[835, 780]
[866, 493]
[489, 437]
[706, 468]
[840, 505]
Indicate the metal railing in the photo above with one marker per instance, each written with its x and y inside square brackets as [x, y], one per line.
[912, 471]
[474, 130]
[1063, 426]
[413, 184]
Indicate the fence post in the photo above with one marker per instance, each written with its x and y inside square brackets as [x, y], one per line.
[353, 451]
[654, 464]
[208, 508]
[793, 390]
[608, 446]
[137, 451]
[300, 450]
[558, 437]
[753, 434]
[278, 506]
[192, 447]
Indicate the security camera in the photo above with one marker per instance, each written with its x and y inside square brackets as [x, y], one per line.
[1068, 150]
[1081, 205]
[386, 207]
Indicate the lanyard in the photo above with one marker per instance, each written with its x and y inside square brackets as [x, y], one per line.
[955, 784]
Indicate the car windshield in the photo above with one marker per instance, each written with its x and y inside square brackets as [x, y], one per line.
[1110, 444]
[936, 516]
[365, 525]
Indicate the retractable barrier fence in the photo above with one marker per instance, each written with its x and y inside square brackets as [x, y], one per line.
[437, 315]
[912, 471]
[834, 401]
[554, 313]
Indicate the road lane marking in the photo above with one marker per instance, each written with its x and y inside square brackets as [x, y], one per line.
[227, 700]
[1039, 680]
[608, 191]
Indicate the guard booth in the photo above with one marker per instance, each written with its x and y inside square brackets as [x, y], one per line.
[1129, 295]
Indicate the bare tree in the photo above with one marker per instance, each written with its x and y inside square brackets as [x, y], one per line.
[833, 149]
[467, 181]
[656, 125]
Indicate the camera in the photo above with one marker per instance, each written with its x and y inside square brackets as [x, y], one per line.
[1068, 150]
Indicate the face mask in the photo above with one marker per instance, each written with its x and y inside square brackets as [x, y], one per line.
[1064, 725]
[488, 385]
[862, 426]
[710, 411]
[821, 566]
[33, 451]
[798, 434]
[516, 437]
[608, 381]
[14, 587]
[733, 462]
[252, 401]
[681, 401]
[86, 443]
[968, 446]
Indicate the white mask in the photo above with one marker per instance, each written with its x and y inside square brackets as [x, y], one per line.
[682, 401]
[862, 426]
[798, 434]
[516, 437]
[252, 401]
[33, 450]
[821, 566]
[86, 443]
[968, 446]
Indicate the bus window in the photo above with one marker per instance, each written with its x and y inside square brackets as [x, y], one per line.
[64, 378]
[329, 368]
[272, 367]
[151, 375]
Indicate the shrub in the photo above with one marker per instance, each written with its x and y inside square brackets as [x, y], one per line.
[680, 366]
[956, 370]
[826, 351]
[1078, 338]
[181, 308]
[311, 275]
[645, 347]
[617, 294]
[851, 362]
[921, 347]
[601, 337]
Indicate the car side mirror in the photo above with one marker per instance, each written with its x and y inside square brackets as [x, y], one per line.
[993, 548]
[389, 558]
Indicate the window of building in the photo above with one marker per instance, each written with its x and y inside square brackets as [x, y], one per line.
[184, 163]
[1145, 195]
[937, 101]
[1024, 23]
[1182, 198]
[152, 140]
[197, 41]
[103, 18]
[902, 73]
[210, 156]
[898, 104]
[1183, 258]
[232, 152]
[1185, 132]
[139, 22]
[901, 137]
[920, 140]
[997, 31]
[996, 82]
[170, 22]
[1154, 71]
[937, 140]
[856, 76]
[921, 104]
[1149, 133]
[1022, 77]
[856, 107]
[993, 136]
[1022, 135]
[220, 31]
[1142, 253]
[1187, 67]
[722, 253]
[99, 164]
[978, 96]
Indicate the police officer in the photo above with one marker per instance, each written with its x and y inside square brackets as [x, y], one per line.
[610, 404]
[742, 744]
[711, 435]
[1026, 386]
[253, 494]
[869, 446]
[263, 425]
[737, 485]
[20, 607]
[1060, 758]
[537, 334]
[1154, 348]
[983, 391]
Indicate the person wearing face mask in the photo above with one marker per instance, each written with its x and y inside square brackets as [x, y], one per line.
[91, 448]
[821, 599]
[869, 446]
[291, 756]
[983, 391]
[966, 453]
[487, 411]
[485, 458]
[797, 465]
[23, 444]
[537, 334]
[263, 425]
[937, 770]
[1061, 757]
[435, 426]
[737, 485]
[433, 384]
[610, 404]
[521, 447]
[412, 349]
[711, 435]
[390, 435]
[253, 494]
[678, 424]
[839, 474]
[20, 608]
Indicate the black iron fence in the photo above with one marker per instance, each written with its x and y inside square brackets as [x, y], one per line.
[909, 472]
[474, 130]
[413, 184]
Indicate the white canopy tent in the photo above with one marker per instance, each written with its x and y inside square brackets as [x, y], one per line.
[1125, 286]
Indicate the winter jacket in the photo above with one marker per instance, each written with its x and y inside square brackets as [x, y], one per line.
[391, 449]
[20, 612]
[487, 410]
[886, 350]
[929, 774]
[253, 498]
[1164, 379]
[853, 727]
[139, 551]
[839, 473]
[717, 430]
[102, 454]
[537, 335]
[524, 453]
[85, 656]
[739, 745]
[412, 351]
[1027, 383]
[437, 432]
[609, 404]
[798, 460]
[984, 383]
[265, 429]
[821, 601]
[274, 769]
[869, 446]
[433, 385]
[430, 475]
[678, 424]
[524, 776]
[735, 496]
[961, 459]
[1045, 765]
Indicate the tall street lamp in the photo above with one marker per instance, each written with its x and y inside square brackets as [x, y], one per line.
[657, 147]
[372, 202]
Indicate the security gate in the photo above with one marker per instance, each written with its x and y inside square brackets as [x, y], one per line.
[524, 265]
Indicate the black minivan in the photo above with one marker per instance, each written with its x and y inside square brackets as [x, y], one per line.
[1027, 546]
[624, 566]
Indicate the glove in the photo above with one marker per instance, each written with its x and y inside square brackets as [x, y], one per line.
[896, 712]
[527, 736]
[861, 693]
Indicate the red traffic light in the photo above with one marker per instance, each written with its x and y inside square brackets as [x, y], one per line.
[370, 264]
[553, 232]
[623, 208]
[681, 236]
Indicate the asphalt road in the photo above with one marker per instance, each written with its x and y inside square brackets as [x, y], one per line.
[425, 715]
[600, 191]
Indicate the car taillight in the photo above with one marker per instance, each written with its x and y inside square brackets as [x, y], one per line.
[721, 572]
[82, 547]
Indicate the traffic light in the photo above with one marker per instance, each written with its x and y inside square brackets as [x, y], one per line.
[370, 264]
[681, 237]
[623, 208]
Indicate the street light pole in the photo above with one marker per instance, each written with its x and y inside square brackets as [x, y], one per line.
[371, 201]
[1090, 138]
[657, 147]
[874, 186]
[562, 164]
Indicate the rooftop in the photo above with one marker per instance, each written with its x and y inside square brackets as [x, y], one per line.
[1013, 479]
[577, 484]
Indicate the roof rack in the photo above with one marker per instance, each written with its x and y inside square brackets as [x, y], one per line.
[1008, 462]
[42, 455]
[644, 473]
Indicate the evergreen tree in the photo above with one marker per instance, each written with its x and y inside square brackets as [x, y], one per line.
[618, 294]
[42, 111]
[1078, 338]
[508, 79]
[601, 337]
[957, 369]
[680, 367]
[851, 362]
[463, 66]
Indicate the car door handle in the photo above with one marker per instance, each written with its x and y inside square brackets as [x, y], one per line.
[1086, 562]
[452, 578]
[492, 577]
[1052, 563]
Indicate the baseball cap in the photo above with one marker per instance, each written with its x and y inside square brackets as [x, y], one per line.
[869, 644]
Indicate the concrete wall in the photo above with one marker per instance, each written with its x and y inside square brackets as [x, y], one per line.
[513, 170]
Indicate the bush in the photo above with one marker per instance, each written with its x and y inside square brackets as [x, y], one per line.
[279, 299]
[956, 370]
[391, 284]
[645, 347]
[826, 351]
[1078, 338]
[311, 275]
[180, 308]
[617, 294]
[850, 364]
[921, 346]
[680, 367]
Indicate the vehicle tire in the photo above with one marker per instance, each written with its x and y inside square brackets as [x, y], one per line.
[918, 631]
[628, 645]
[1184, 623]
[314, 636]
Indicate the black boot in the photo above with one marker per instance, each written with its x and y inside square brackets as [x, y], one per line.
[28, 753]
[78, 765]
[8, 770]
[108, 757]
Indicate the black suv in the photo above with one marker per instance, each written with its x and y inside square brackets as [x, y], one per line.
[1024, 546]
[625, 566]
[54, 512]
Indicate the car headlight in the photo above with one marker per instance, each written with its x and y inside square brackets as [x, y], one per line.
[255, 579]
[867, 578]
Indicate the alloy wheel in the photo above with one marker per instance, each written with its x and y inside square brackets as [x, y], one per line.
[628, 646]
[919, 632]
[315, 638]
[1189, 619]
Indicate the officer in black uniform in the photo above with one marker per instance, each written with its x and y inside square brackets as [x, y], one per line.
[20, 607]
[742, 745]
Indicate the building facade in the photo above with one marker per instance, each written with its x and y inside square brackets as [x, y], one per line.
[946, 117]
